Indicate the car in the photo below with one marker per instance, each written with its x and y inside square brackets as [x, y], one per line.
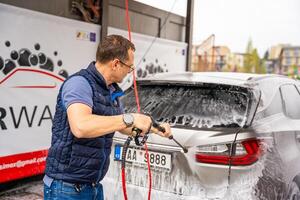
[242, 132]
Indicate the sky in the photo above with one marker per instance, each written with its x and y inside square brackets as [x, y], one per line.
[234, 22]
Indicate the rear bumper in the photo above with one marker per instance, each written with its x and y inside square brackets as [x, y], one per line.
[138, 192]
[184, 182]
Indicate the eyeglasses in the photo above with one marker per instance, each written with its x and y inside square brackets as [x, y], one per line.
[131, 67]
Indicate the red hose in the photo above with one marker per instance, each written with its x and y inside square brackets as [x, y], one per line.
[133, 74]
[149, 172]
[128, 20]
[139, 110]
[124, 184]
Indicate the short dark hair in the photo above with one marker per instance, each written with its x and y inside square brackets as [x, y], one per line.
[114, 46]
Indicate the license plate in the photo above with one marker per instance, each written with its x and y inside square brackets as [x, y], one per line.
[157, 159]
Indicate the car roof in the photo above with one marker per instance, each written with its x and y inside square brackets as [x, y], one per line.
[226, 78]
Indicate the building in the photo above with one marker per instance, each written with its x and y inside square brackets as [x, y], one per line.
[211, 59]
[289, 61]
[235, 62]
[199, 53]
[272, 58]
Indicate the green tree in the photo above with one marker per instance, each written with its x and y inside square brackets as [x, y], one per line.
[263, 68]
[258, 63]
[295, 69]
[252, 61]
[248, 58]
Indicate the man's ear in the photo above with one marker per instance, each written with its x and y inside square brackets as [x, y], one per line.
[114, 64]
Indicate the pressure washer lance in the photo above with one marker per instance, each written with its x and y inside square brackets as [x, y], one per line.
[162, 129]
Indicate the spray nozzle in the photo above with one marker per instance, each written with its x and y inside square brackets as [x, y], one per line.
[185, 150]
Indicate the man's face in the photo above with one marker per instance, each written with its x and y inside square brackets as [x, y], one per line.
[125, 66]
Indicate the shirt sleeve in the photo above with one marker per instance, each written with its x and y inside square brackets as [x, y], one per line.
[77, 90]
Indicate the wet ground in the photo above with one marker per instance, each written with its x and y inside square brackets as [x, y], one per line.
[29, 189]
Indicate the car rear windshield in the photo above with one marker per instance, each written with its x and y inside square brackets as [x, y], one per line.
[192, 106]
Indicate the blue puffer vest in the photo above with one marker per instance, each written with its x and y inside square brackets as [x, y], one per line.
[83, 160]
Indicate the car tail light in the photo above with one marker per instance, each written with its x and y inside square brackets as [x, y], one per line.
[244, 153]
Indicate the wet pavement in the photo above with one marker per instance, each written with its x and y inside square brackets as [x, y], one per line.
[29, 189]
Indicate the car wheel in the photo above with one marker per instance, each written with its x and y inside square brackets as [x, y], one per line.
[294, 189]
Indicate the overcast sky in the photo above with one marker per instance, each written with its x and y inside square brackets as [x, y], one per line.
[267, 22]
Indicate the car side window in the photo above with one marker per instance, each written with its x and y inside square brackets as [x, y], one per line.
[291, 100]
[274, 107]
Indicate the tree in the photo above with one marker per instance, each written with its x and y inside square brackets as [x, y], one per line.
[258, 64]
[252, 61]
[248, 58]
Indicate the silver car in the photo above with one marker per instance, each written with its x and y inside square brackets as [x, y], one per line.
[242, 132]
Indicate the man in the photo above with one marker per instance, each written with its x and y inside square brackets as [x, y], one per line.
[88, 112]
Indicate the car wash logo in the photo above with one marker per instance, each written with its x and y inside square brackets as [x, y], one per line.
[29, 83]
[151, 68]
[24, 58]
[146, 67]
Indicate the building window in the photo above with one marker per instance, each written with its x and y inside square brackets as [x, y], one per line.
[291, 101]
[286, 53]
[288, 61]
[297, 53]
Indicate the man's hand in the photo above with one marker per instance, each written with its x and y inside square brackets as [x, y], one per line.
[167, 132]
[142, 122]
